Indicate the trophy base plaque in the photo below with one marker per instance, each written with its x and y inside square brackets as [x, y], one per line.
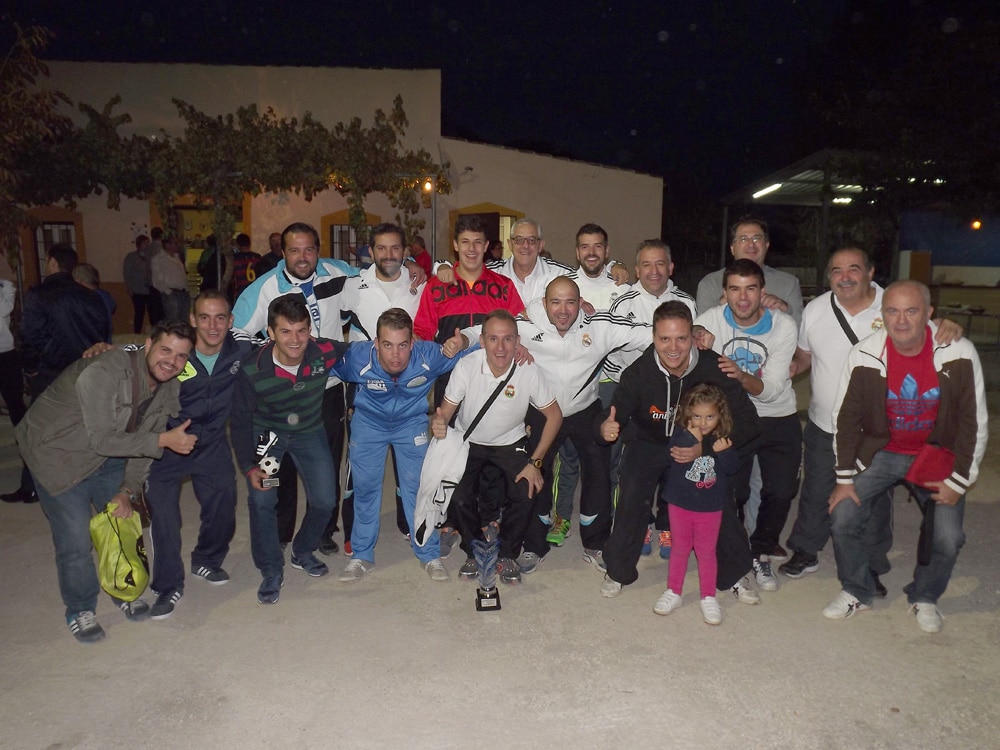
[270, 482]
[487, 600]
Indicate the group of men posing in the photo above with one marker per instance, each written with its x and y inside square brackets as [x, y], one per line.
[547, 337]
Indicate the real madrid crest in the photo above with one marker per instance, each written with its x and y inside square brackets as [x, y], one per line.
[586, 339]
[509, 391]
[877, 324]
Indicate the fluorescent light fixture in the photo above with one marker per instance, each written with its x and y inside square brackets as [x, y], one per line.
[843, 200]
[767, 190]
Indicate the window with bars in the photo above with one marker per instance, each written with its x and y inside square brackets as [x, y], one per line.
[343, 241]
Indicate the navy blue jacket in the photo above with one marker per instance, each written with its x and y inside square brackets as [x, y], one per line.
[208, 399]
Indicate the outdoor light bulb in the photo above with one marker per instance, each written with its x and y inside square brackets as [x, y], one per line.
[428, 185]
[977, 224]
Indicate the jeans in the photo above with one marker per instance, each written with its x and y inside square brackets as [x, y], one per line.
[288, 494]
[311, 455]
[811, 529]
[69, 515]
[848, 522]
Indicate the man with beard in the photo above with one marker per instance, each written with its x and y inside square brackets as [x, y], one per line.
[320, 282]
[642, 415]
[89, 440]
[381, 286]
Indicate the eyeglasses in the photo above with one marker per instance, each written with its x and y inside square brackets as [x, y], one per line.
[532, 241]
[757, 239]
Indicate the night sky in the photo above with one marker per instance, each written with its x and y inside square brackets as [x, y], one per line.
[709, 95]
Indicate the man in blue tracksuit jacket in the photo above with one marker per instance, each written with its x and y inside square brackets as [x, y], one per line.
[394, 374]
[206, 398]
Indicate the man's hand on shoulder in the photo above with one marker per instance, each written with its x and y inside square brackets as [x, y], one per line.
[417, 274]
[773, 303]
[948, 332]
[619, 272]
[99, 348]
[445, 274]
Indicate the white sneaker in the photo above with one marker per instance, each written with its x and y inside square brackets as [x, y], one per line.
[765, 578]
[710, 610]
[928, 617]
[356, 570]
[610, 588]
[744, 592]
[667, 603]
[436, 570]
[844, 606]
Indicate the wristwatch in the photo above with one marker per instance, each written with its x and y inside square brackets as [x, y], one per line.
[536, 462]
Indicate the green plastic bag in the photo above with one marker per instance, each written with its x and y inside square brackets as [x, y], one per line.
[121, 554]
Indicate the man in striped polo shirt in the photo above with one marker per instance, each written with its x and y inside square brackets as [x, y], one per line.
[280, 390]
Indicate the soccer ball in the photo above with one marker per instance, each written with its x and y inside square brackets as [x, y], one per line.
[269, 465]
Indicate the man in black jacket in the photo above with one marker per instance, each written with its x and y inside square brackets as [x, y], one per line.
[642, 415]
[61, 320]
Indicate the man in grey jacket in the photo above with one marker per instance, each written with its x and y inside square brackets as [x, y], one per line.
[89, 440]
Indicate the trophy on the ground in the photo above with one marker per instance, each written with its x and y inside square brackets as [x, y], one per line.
[486, 552]
[268, 464]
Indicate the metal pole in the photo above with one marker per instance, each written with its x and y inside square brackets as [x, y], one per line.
[434, 206]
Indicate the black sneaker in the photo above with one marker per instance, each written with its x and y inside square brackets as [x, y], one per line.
[85, 628]
[310, 565]
[799, 564]
[215, 576]
[270, 589]
[327, 546]
[134, 611]
[165, 603]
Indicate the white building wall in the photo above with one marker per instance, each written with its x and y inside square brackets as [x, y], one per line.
[560, 193]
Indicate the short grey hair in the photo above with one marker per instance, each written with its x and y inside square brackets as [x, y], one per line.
[526, 220]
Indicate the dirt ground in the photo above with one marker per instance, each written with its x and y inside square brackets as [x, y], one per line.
[397, 660]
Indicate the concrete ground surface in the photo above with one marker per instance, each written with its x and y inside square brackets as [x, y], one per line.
[397, 660]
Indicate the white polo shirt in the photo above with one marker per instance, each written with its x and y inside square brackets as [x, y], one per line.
[472, 382]
[365, 297]
[638, 305]
[822, 336]
[766, 355]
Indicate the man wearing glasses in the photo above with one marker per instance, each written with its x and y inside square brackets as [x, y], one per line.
[749, 239]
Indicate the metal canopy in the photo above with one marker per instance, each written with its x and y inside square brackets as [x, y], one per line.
[828, 175]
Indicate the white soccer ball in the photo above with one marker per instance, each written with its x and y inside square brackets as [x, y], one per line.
[269, 465]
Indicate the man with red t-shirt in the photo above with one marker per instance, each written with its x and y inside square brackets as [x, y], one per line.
[899, 392]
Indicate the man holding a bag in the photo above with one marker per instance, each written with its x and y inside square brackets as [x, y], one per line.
[900, 394]
[89, 439]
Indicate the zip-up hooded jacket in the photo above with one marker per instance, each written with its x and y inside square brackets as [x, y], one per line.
[647, 396]
[862, 425]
